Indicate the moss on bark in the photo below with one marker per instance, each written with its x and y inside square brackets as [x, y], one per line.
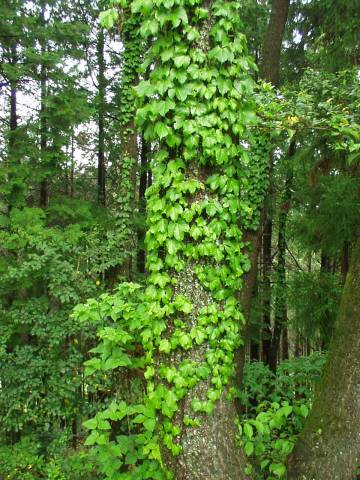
[329, 446]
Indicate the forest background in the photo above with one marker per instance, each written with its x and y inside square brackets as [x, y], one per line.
[198, 181]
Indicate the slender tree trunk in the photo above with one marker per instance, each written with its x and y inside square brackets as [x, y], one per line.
[129, 165]
[280, 307]
[329, 447]
[101, 168]
[270, 64]
[143, 184]
[266, 288]
[325, 268]
[269, 71]
[13, 103]
[44, 193]
[285, 343]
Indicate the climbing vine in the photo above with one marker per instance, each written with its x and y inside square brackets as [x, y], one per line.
[132, 56]
[183, 329]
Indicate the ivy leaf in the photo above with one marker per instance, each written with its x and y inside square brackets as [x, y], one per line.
[143, 6]
[162, 130]
[172, 246]
[144, 89]
[149, 424]
[164, 346]
[108, 18]
[248, 430]
[149, 27]
[277, 469]
[182, 61]
[248, 448]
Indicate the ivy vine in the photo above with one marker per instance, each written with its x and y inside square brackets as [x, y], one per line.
[210, 177]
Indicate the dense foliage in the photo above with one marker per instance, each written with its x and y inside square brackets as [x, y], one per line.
[136, 326]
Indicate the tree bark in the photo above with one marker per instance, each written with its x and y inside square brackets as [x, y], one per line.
[101, 168]
[269, 71]
[280, 305]
[143, 184]
[44, 193]
[270, 64]
[329, 446]
[266, 287]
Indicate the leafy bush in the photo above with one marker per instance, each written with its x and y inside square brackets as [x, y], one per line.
[276, 407]
[25, 461]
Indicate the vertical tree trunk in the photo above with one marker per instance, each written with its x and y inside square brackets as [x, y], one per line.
[13, 102]
[280, 305]
[195, 240]
[44, 194]
[143, 184]
[345, 260]
[266, 288]
[270, 63]
[329, 447]
[269, 71]
[101, 168]
[128, 181]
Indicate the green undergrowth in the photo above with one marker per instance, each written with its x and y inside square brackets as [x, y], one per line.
[276, 407]
[31, 459]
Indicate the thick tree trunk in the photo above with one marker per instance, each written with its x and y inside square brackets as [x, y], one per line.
[101, 168]
[329, 445]
[209, 450]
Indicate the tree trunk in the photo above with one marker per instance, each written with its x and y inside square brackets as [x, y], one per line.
[269, 71]
[197, 244]
[143, 185]
[128, 167]
[44, 188]
[101, 168]
[329, 446]
[345, 260]
[266, 288]
[280, 304]
[270, 65]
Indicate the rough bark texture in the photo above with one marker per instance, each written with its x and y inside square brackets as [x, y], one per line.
[209, 451]
[101, 119]
[266, 272]
[269, 69]
[329, 445]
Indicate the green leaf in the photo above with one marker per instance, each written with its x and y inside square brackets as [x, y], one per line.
[304, 410]
[278, 469]
[248, 448]
[108, 18]
[144, 89]
[165, 346]
[162, 130]
[182, 61]
[248, 430]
